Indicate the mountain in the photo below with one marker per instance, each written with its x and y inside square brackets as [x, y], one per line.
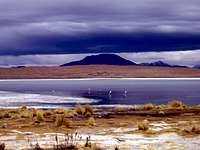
[112, 59]
[197, 66]
[157, 63]
[101, 59]
[161, 64]
[18, 67]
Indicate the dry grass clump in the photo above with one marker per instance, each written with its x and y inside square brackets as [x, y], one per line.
[61, 120]
[196, 107]
[121, 109]
[39, 116]
[91, 121]
[26, 114]
[148, 106]
[79, 110]
[1, 115]
[194, 129]
[47, 114]
[177, 105]
[68, 113]
[162, 113]
[143, 126]
[6, 115]
[1, 123]
[23, 108]
[88, 110]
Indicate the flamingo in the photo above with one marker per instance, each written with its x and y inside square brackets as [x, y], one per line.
[89, 91]
[110, 92]
[125, 92]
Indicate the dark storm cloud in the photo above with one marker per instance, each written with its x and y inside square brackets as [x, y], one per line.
[74, 26]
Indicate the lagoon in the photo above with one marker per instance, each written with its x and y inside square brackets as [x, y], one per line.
[52, 93]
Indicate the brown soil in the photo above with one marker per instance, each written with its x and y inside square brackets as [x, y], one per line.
[97, 71]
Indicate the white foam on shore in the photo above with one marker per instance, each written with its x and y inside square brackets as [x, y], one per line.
[14, 99]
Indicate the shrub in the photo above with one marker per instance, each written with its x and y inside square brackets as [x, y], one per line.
[61, 120]
[6, 115]
[88, 109]
[33, 111]
[143, 126]
[1, 115]
[70, 114]
[148, 106]
[194, 129]
[47, 114]
[91, 121]
[161, 113]
[23, 108]
[88, 114]
[39, 116]
[26, 114]
[1, 123]
[176, 105]
[79, 110]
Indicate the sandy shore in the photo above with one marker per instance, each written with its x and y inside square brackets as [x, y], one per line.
[174, 125]
[97, 71]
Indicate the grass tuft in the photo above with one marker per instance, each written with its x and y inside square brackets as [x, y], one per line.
[175, 104]
[143, 126]
[148, 106]
[40, 116]
[91, 121]
[79, 110]
[194, 129]
[61, 120]
[88, 110]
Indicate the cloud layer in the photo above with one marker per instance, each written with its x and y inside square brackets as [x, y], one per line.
[74, 26]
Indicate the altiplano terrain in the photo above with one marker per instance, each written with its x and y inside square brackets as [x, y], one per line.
[97, 71]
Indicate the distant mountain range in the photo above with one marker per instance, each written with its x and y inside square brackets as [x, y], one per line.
[197, 66]
[112, 59]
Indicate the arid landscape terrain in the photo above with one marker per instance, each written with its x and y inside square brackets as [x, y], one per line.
[97, 71]
[101, 129]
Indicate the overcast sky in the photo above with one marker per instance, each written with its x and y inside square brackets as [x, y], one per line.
[50, 27]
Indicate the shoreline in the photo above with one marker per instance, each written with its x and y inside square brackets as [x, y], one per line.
[85, 79]
[103, 71]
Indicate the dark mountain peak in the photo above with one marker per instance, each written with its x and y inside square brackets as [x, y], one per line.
[160, 63]
[156, 63]
[101, 59]
[197, 66]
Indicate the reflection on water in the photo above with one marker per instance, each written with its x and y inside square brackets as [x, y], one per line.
[53, 93]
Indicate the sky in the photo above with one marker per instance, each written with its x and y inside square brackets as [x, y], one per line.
[35, 32]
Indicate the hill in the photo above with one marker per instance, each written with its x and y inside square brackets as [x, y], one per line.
[112, 59]
[102, 59]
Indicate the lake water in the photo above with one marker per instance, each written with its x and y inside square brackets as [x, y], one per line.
[98, 92]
